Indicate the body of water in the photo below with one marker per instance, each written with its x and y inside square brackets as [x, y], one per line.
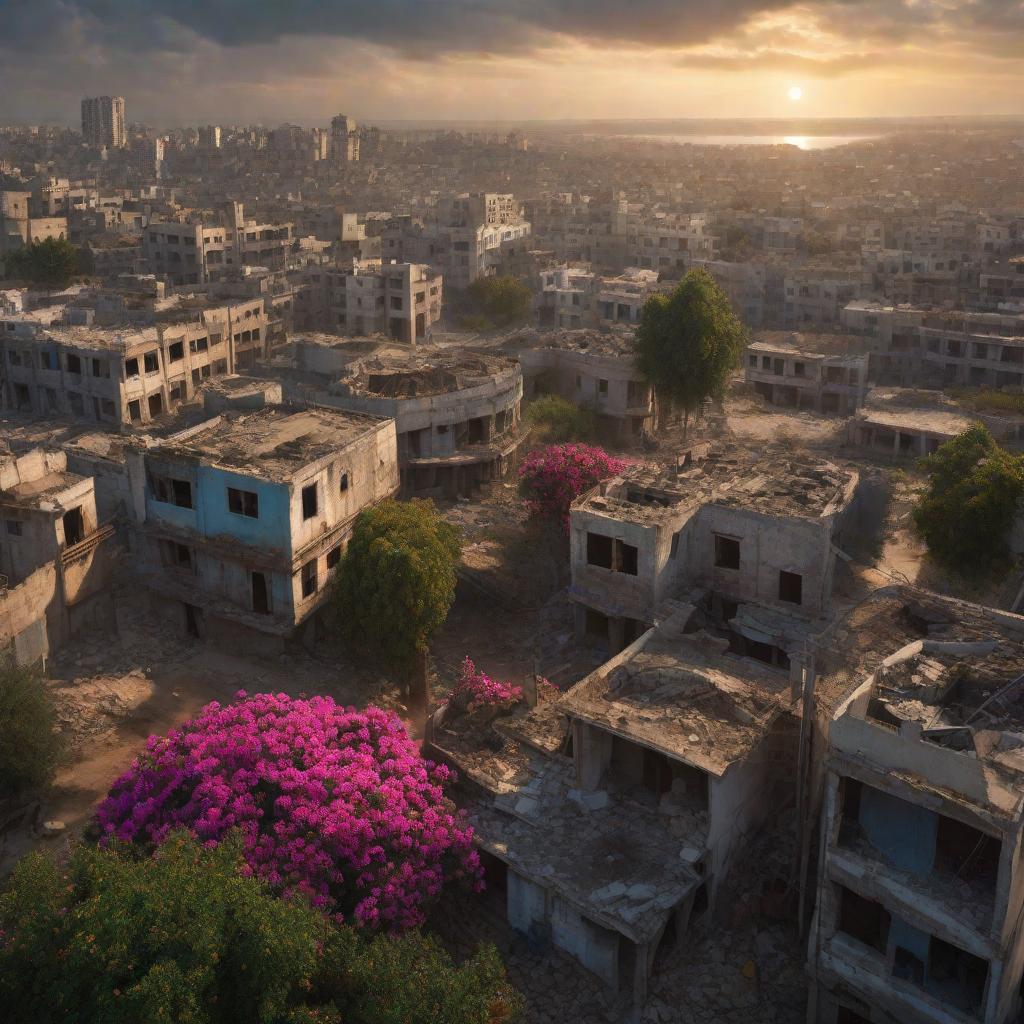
[800, 141]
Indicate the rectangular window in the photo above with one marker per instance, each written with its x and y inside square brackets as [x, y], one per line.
[152, 362]
[343, 483]
[100, 368]
[14, 527]
[333, 557]
[599, 550]
[131, 368]
[260, 594]
[74, 363]
[176, 352]
[309, 502]
[791, 586]
[309, 580]
[727, 552]
[134, 411]
[602, 388]
[244, 503]
[198, 345]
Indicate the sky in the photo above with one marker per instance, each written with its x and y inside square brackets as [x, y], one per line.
[271, 61]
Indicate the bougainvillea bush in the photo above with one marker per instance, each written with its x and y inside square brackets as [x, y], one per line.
[475, 688]
[551, 478]
[332, 803]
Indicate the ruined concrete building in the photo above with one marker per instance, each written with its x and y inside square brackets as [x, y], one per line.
[755, 527]
[54, 555]
[127, 374]
[713, 577]
[823, 372]
[243, 518]
[457, 412]
[914, 422]
[920, 894]
[593, 368]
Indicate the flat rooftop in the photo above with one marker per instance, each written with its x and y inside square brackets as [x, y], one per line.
[420, 373]
[772, 480]
[687, 696]
[812, 346]
[610, 342]
[271, 443]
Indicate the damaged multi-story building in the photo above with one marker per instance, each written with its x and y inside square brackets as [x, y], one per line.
[823, 372]
[55, 555]
[457, 412]
[920, 888]
[610, 816]
[243, 518]
[593, 368]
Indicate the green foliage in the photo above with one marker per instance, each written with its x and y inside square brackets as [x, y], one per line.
[29, 747]
[50, 263]
[689, 342]
[972, 501]
[498, 302]
[555, 420]
[987, 400]
[397, 581]
[184, 937]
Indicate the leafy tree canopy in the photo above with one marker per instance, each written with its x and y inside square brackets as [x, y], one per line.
[186, 937]
[500, 301]
[50, 263]
[688, 343]
[973, 499]
[29, 746]
[397, 581]
[555, 419]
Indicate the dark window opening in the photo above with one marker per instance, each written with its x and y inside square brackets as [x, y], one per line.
[74, 363]
[599, 550]
[193, 620]
[156, 405]
[333, 557]
[131, 367]
[844, 1015]
[628, 560]
[309, 580]
[343, 483]
[134, 411]
[955, 976]
[309, 502]
[177, 351]
[260, 594]
[74, 526]
[967, 853]
[243, 503]
[151, 361]
[791, 585]
[864, 920]
[727, 552]
[908, 966]
[596, 625]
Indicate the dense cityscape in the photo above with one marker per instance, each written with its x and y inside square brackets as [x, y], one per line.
[517, 571]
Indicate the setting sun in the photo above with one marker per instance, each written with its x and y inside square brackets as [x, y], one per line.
[795, 93]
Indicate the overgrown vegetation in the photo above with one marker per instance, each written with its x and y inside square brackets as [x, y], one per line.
[688, 344]
[497, 302]
[551, 478]
[185, 936]
[987, 400]
[555, 420]
[50, 263]
[397, 582]
[29, 747]
[972, 502]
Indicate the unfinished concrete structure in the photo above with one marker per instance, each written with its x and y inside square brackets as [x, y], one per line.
[823, 372]
[128, 374]
[748, 527]
[54, 555]
[457, 412]
[593, 368]
[243, 518]
[920, 891]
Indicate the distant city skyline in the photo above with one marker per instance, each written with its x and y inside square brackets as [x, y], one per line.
[227, 61]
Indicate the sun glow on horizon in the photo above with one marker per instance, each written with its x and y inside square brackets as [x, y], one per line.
[795, 93]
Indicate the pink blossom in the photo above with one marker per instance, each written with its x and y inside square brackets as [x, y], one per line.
[333, 803]
[552, 478]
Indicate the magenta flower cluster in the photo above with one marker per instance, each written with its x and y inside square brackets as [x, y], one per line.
[476, 688]
[332, 803]
[552, 478]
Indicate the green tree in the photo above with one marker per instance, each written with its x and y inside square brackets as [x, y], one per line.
[183, 936]
[688, 343]
[499, 301]
[973, 499]
[29, 747]
[555, 419]
[50, 263]
[397, 582]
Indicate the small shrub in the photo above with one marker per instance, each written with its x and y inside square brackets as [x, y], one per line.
[556, 420]
[29, 747]
[476, 689]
